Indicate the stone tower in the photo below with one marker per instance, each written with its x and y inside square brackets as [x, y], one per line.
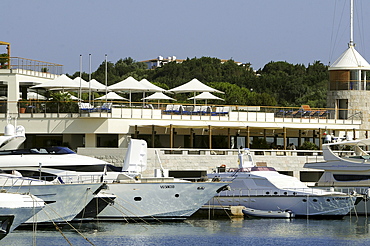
[349, 91]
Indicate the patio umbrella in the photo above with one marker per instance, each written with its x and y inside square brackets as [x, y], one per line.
[151, 87]
[62, 82]
[206, 96]
[71, 96]
[194, 86]
[111, 96]
[128, 85]
[158, 96]
[96, 85]
[34, 96]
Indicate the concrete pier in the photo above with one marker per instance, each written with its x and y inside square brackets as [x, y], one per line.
[217, 212]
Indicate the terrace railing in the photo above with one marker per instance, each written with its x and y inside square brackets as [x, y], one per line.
[53, 109]
[31, 67]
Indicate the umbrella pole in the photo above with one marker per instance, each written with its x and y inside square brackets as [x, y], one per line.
[80, 92]
[90, 79]
[130, 99]
[106, 79]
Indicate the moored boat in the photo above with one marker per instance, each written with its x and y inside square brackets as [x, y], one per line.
[263, 188]
[268, 213]
[17, 208]
[346, 167]
[159, 197]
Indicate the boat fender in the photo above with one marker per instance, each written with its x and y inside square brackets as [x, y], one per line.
[216, 179]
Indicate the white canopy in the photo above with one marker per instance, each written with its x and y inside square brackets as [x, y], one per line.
[128, 85]
[158, 96]
[111, 96]
[194, 85]
[150, 86]
[205, 96]
[62, 82]
[35, 96]
[96, 85]
[81, 83]
[71, 96]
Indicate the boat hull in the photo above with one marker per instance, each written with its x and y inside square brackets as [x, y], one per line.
[18, 208]
[268, 213]
[63, 202]
[328, 206]
[164, 201]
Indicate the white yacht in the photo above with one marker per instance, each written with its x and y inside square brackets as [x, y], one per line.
[346, 167]
[15, 209]
[137, 197]
[64, 201]
[263, 188]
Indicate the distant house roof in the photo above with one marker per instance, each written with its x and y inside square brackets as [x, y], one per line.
[350, 60]
[160, 60]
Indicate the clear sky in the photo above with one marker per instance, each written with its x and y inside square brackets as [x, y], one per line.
[254, 31]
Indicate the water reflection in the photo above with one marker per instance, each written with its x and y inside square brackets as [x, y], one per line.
[350, 230]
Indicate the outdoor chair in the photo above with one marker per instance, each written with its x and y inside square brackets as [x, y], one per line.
[177, 109]
[221, 111]
[196, 110]
[187, 109]
[169, 108]
[85, 107]
[281, 113]
[105, 107]
[205, 109]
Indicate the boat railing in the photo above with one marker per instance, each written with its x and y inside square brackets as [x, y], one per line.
[18, 181]
[349, 190]
[319, 158]
[274, 192]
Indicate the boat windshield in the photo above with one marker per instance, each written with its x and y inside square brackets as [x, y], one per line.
[365, 157]
[263, 169]
[48, 150]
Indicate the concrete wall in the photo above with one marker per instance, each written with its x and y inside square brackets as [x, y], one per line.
[208, 160]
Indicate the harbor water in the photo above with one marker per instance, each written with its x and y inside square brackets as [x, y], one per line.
[348, 231]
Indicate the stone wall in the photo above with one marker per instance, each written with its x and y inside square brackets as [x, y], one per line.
[208, 160]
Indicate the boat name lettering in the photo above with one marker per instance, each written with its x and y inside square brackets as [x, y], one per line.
[340, 198]
[167, 186]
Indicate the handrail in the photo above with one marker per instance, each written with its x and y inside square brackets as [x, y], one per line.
[236, 113]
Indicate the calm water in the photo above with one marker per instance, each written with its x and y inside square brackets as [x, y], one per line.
[349, 231]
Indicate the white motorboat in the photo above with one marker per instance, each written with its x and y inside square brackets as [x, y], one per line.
[263, 188]
[137, 196]
[15, 209]
[63, 201]
[251, 212]
[346, 167]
